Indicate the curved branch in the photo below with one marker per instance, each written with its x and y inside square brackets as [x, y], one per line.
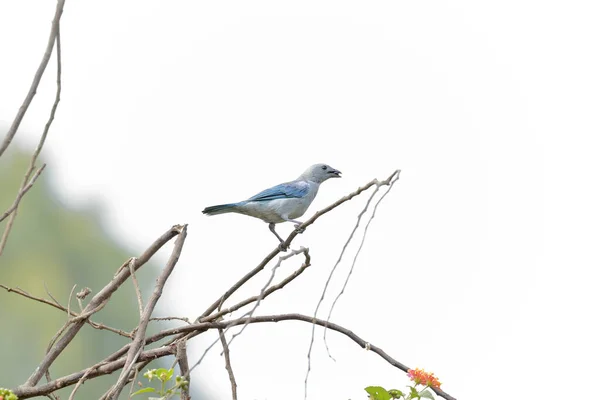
[36, 79]
[139, 341]
[22, 193]
[95, 304]
[228, 366]
[288, 241]
[108, 368]
[58, 306]
[362, 242]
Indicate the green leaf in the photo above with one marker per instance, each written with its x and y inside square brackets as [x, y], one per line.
[414, 394]
[395, 393]
[427, 394]
[164, 374]
[378, 393]
[145, 390]
[158, 371]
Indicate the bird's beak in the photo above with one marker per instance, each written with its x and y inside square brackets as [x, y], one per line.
[336, 173]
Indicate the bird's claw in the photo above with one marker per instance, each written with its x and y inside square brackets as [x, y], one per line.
[283, 247]
[299, 228]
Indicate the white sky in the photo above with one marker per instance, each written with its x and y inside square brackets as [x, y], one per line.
[481, 265]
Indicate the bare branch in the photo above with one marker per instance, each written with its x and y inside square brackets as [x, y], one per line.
[212, 317]
[136, 372]
[389, 182]
[36, 79]
[50, 294]
[57, 335]
[239, 284]
[252, 299]
[22, 193]
[95, 304]
[362, 242]
[288, 241]
[108, 368]
[136, 286]
[138, 342]
[191, 335]
[219, 302]
[135, 355]
[54, 36]
[328, 281]
[57, 305]
[184, 319]
[228, 364]
[184, 368]
[262, 293]
[83, 378]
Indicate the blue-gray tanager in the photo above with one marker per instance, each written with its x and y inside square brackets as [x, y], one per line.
[284, 202]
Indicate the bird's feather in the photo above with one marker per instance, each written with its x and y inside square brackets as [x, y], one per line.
[220, 209]
[288, 190]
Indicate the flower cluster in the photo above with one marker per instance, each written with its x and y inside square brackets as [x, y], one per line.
[6, 394]
[421, 377]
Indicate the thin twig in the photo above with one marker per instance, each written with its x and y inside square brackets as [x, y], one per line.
[81, 380]
[36, 79]
[130, 358]
[184, 368]
[95, 304]
[257, 299]
[362, 242]
[253, 299]
[328, 281]
[138, 342]
[287, 243]
[56, 305]
[69, 301]
[228, 364]
[137, 371]
[377, 184]
[56, 33]
[261, 296]
[57, 335]
[192, 334]
[26, 392]
[184, 319]
[136, 285]
[21, 193]
[219, 302]
[212, 317]
[63, 328]
[51, 296]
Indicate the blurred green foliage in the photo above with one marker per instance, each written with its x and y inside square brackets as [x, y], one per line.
[55, 247]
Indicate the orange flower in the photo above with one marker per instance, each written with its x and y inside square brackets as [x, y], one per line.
[421, 377]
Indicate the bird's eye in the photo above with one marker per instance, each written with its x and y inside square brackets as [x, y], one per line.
[324, 167]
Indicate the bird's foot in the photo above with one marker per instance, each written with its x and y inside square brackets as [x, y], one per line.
[299, 228]
[282, 247]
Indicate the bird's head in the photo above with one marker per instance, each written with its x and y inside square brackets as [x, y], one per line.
[319, 173]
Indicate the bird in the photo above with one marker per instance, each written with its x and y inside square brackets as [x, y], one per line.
[281, 203]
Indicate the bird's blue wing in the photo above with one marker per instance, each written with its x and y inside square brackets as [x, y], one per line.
[283, 191]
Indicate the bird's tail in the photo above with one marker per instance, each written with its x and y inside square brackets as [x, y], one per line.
[220, 209]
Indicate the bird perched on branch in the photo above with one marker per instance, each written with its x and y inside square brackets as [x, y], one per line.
[281, 203]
